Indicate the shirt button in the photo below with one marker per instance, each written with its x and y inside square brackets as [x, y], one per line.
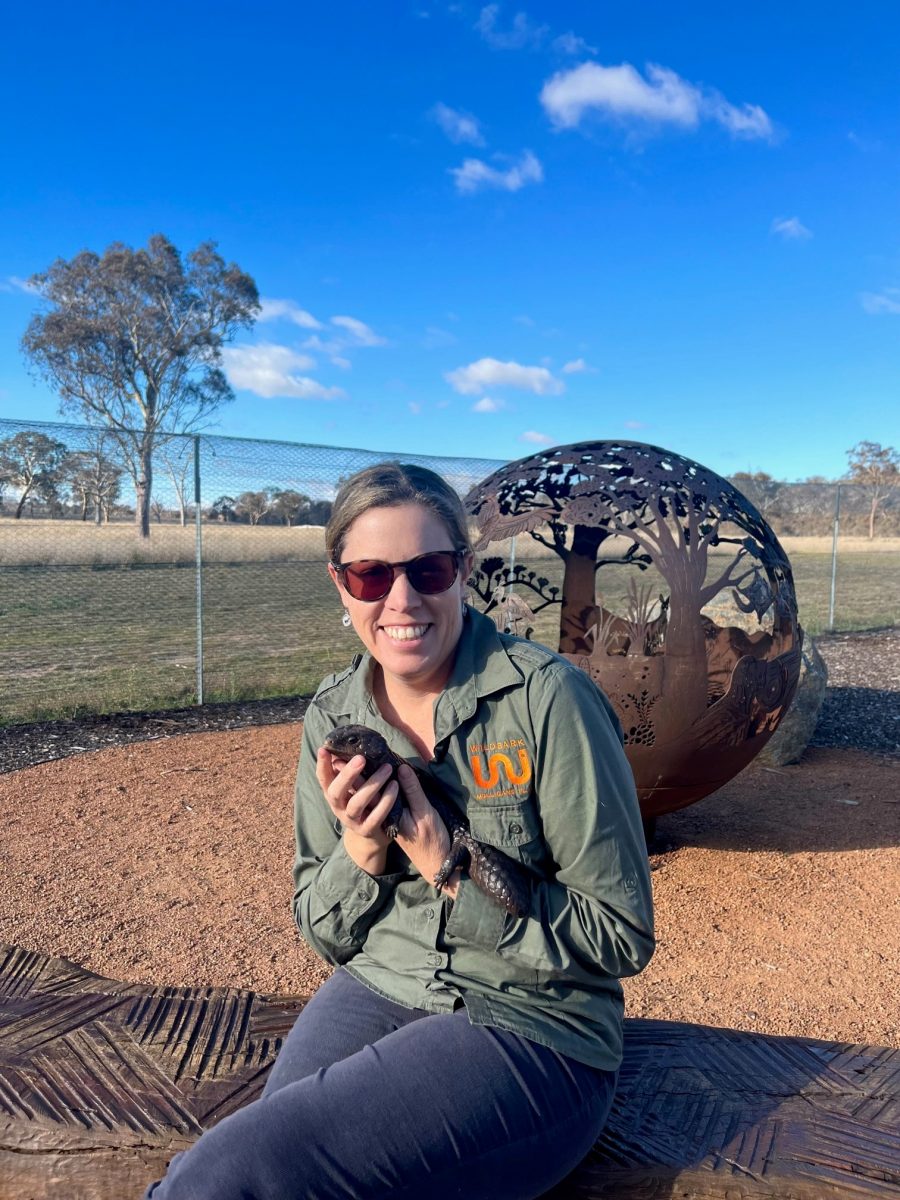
[433, 960]
[630, 881]
[363, 894]
[429, 913]
[515, 830]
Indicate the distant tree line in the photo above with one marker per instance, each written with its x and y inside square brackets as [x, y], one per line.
[41, 476]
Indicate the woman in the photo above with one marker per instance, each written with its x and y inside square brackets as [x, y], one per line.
[458, 1049]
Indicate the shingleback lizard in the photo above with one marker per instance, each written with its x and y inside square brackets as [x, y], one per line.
[501, 878]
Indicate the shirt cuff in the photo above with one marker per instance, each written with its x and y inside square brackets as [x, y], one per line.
[359, 894]
[475, 918]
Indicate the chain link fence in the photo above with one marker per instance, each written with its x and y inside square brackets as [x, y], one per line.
[228, 597]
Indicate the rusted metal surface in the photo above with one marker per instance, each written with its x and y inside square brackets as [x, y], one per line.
[698, 692]
[101, 1082]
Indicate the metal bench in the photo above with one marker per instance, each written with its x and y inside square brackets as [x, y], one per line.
[101, 1082]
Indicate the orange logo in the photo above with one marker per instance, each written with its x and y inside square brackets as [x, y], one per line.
[495, 762]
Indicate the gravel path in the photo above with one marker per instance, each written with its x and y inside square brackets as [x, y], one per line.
[166, 860]
[861, 709]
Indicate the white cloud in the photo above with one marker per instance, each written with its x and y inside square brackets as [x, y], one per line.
[361, 334]
[790, 229]
[274, 310]
[414, 407]
[344, 363]
[885, 301]
[486, 404]
[635, 424]
[521, 33]
[474, 174]
[532, 435]
[575, 367]
[662, 98]
[570, 43]
[270, 370]
[458, 126]
[490, 373]
[525, 320]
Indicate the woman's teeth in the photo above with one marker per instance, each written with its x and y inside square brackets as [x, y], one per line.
[405, 633]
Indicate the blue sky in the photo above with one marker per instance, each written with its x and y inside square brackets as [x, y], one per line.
[482, 229]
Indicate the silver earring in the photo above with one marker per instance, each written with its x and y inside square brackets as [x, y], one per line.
[463, 610]
[345, 619]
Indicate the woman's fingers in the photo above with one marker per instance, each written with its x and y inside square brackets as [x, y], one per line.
[360, 804]
[413, 793]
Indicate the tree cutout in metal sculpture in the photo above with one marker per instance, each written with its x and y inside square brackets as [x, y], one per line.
[698, 693]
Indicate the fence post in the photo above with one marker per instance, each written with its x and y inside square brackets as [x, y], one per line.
[834, 547]
[198, 567]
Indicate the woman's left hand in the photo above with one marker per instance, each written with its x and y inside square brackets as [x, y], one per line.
[423, 836]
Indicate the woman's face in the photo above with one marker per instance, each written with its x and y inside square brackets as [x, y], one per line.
[413, 637]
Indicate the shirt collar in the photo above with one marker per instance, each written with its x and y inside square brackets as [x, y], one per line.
[480, 668]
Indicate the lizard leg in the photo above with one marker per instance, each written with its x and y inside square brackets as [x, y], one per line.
[458, 857]
[391, 823]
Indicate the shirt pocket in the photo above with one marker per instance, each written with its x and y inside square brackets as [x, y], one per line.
[513, 828]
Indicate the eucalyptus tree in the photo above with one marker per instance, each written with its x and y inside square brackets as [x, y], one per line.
[132, 342]
[32, 463]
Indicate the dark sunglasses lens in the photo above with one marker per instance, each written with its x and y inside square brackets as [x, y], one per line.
[368, 581]
[432, 573]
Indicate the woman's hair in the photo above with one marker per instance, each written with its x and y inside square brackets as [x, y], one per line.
[388, 484]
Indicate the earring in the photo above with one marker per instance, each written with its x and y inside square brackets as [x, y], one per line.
[464, 610]
[345, 619]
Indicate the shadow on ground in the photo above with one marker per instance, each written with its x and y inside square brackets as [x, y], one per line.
[833, 799]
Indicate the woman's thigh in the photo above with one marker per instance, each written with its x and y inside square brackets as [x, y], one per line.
[438, 1106]
[340, 1018]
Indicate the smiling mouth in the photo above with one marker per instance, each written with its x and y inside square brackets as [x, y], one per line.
[405, 633]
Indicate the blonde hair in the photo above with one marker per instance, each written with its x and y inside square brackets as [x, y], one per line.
[386, 485]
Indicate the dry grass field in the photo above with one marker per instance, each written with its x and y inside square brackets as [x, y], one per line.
[93, 620]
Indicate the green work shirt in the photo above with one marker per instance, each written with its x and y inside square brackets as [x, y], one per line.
[529, 749]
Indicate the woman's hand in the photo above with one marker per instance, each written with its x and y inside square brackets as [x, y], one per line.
[423, 835]
[361, 805]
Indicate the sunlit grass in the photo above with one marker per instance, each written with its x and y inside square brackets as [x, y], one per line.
[84, 631]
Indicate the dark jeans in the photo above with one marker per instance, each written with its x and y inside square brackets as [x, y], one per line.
[368, 1099]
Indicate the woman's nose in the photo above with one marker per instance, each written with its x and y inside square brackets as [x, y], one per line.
[402, 593]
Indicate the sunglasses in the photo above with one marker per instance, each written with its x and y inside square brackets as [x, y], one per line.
[370, 579]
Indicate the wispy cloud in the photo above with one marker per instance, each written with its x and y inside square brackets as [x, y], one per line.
[458, 126]
[520, 34]
[866, 145]
[490, 373]
[540, 439]
[575, 367]
[435, 338]
[791, 229]
[661, 98]
[13, 283]
[488, 405]
[475, 175]
[525, 320]
[570, 43]
[271, 370]
[274, 310]
[885, 301]
[635, 424]
[360, 333]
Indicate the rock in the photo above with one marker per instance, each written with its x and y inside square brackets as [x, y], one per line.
[798, 724]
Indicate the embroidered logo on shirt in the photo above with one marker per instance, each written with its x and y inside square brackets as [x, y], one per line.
[493, 760]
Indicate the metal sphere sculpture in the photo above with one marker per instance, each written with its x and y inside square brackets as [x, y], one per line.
[698, 693]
